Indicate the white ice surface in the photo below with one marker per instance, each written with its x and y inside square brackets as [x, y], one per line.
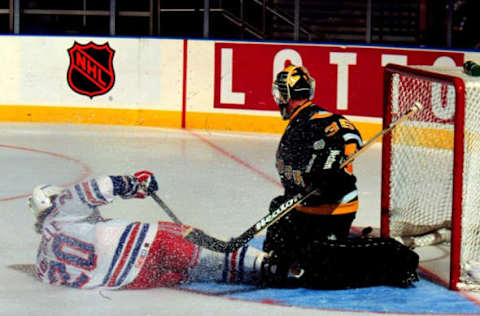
[220, 182]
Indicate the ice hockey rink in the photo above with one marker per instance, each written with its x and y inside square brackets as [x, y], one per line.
[221, 182]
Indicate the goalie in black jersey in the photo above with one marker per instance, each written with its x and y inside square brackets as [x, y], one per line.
[315, 234]
[309, 155]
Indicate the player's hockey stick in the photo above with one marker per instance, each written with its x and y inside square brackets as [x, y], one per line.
[200, 238]
[165, 208]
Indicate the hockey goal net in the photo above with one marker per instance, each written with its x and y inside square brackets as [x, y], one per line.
[431, 163]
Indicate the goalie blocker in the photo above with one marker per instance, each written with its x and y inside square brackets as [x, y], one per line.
[349, 263]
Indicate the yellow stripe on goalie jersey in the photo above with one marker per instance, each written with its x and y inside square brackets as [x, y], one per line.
[330, 209]
[349, 150]
[321, 115]
[299, 109]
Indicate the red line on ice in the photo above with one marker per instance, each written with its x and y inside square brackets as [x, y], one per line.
[85, 172]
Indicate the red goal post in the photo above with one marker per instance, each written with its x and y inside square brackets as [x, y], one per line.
[431, 162]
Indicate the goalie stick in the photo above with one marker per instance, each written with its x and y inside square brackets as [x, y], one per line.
[202, 239]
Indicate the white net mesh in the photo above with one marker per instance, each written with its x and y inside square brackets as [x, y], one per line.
[422, 160]
[470, 251]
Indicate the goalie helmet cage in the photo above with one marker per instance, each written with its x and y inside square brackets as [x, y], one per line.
[431, 162]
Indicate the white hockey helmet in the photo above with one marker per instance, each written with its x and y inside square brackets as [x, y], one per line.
[41, 198]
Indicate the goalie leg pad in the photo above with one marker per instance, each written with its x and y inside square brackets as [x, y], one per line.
[355, 262]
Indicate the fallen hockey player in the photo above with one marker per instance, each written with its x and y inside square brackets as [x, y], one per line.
[81, 249]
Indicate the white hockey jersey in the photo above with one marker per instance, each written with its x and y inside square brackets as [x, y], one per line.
[81, 249]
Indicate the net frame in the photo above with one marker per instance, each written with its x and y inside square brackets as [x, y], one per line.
[458, 158]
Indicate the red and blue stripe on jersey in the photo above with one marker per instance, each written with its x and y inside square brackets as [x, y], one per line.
[126, 254]
[233, 270]
[90, 194]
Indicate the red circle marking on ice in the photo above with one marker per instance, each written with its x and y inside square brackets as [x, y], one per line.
[85, 173]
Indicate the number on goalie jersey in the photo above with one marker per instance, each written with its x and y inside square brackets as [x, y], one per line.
[310, 152]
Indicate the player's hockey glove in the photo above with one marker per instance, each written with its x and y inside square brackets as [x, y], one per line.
[140, 185]
[146, 184]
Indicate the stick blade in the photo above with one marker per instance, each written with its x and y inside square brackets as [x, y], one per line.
[201, 239]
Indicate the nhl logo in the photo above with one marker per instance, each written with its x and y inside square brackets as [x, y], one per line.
[91, 69]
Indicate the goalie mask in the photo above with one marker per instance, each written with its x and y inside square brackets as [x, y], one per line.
[42, 197]
[293, 82]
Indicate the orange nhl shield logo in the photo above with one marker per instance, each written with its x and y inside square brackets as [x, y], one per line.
[91, 69]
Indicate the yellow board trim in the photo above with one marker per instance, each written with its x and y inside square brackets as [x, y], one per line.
[434, 138]
[234, 122]
[423, 137]
[368, 130]
[258, 124]
[48, 114]
[158, 118]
